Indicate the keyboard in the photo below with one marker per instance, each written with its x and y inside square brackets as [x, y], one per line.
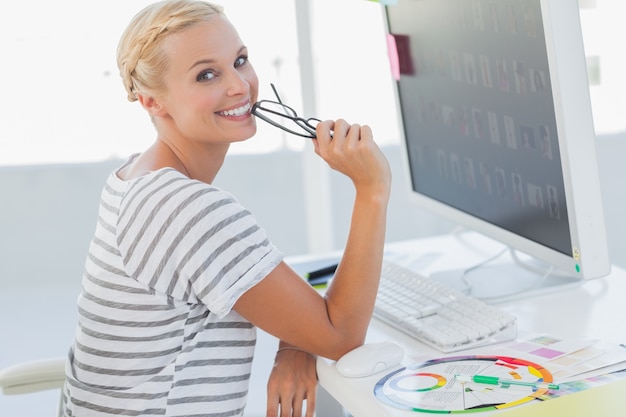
[436, 314]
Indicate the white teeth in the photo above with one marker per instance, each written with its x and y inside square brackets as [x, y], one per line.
[236, 112]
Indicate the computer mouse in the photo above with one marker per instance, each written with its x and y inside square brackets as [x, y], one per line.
[369, 359]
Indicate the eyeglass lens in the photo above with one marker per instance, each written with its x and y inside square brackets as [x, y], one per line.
[284, 117]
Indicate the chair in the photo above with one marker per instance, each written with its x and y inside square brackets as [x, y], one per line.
[34, 376]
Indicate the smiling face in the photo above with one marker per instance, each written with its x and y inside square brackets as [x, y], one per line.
[210, 86]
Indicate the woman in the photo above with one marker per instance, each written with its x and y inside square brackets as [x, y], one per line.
[179, 273]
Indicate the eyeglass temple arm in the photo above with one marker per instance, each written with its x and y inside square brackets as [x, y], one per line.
[276, 93]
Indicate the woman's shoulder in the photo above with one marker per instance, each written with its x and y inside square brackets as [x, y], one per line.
[171, 193]
[170, 184]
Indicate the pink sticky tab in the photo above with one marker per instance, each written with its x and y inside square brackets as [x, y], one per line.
[392, 52]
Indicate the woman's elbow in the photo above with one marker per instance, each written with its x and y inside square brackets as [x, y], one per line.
[342, 346]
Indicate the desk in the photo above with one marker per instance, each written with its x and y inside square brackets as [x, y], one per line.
[593, 309]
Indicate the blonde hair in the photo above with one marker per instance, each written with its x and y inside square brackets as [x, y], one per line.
[140, 58]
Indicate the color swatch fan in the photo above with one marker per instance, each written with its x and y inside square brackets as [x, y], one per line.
[434, 386]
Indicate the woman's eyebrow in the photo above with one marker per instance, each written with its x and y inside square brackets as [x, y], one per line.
[211, 61]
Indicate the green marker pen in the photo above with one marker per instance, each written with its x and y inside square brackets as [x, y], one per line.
[494, 380]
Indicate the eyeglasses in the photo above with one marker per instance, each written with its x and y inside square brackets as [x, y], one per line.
[284, 117]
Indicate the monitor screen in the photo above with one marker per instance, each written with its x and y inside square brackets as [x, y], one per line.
[497, 123]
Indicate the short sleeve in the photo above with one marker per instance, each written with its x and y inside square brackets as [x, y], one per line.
[192, 241]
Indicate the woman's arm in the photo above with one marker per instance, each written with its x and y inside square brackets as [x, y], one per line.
[284, 305]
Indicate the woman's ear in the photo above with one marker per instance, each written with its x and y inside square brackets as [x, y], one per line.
[151, 104]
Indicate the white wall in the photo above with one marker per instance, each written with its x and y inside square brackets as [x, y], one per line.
[611, 153]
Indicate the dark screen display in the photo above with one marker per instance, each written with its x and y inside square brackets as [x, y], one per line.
[478, 112]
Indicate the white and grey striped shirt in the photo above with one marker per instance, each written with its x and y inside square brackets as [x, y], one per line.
[157, 335]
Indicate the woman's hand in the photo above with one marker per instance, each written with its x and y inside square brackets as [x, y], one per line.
[352, 151]
[293, 380]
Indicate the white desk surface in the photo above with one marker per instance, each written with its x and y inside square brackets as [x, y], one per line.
[594, 309]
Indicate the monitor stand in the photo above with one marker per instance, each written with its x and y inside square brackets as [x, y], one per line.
[507, 277]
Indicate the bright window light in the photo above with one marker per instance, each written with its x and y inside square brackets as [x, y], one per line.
[63, 100]
[604, 33]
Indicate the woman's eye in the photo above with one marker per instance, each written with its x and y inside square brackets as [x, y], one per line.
[241, 61]
[207, 75]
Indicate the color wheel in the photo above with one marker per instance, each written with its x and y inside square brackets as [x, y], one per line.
[430, 387]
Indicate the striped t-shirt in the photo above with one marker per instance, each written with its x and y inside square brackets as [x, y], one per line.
[157, 335]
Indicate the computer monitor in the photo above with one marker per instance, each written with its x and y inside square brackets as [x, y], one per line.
[498, 131]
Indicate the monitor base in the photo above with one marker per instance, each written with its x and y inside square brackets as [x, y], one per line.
[509, 280]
